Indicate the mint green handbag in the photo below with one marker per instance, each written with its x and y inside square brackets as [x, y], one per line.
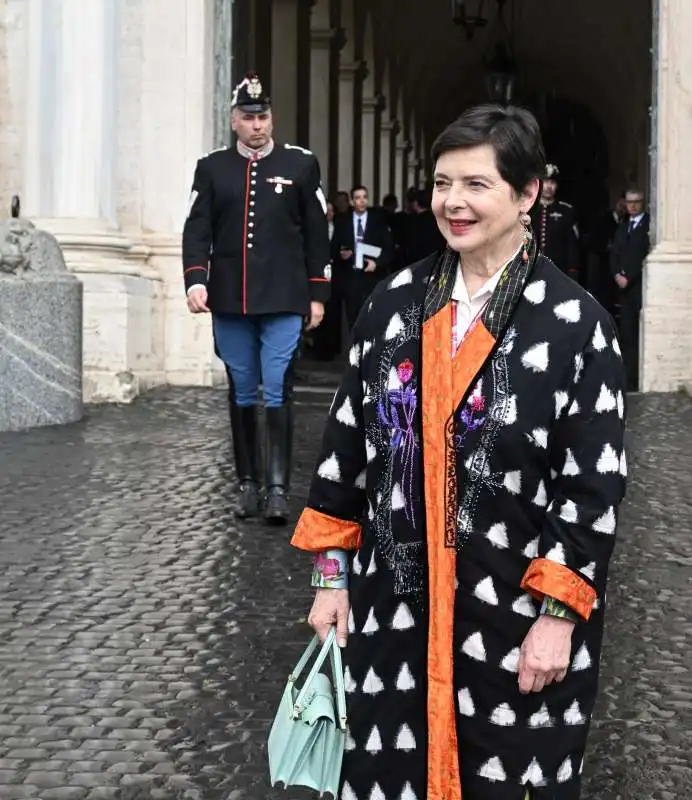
[306, 742]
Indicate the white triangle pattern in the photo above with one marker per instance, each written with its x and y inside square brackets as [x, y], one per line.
[401, 279]
[330, 470]
[606, 401]
[541, 498]
[503, 716]
[569, 512]
[589, 570]
[533, 775]
[374, 743]
[367, 347]
[347, 793]
[512, 482]
[398, 500]
[405, 739]
[349, 743]
[510, 662]
[571, 468]
[582, 660]
[569, 311]
[557, 554]
[574, 409]
[525, 606]
[351, 622]
[474, 647]
[541, 719]
[405, 681]
[531, 549]
[376, 793]
[609, 461]
[372, 566]
[599, 341]
[407, 792]
[345, 414]
[370, 450]
[394, 328]
[402, 619]
[535, 292]
[536, 358]
[621, 405]
[354, 355]
[616, 346]
[371, 624]
[361, 479]
[573, 715]
[485, 591]
[540, 437]
[623, 464]
[497, 536]
[561, 400]
[356, 566]
[564, 773]
[606, 523]
[466, 706]
[372, 683]
[493, 770]
[349, 684]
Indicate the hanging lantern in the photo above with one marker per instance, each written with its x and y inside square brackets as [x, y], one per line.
[500, 68]
[468, 14]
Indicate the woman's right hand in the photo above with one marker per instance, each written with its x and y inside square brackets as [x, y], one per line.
[331, 607]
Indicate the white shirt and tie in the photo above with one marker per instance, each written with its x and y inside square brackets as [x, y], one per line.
[634, 222]
[359, 235]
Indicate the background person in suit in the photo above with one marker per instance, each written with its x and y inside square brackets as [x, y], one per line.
[630, 249]
[368, 226]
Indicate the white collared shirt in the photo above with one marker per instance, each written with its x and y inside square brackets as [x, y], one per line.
[468, 308]
[634, 221]
[364, 220]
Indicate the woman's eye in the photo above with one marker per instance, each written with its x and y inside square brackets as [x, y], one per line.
[440, 184]
[477, 185]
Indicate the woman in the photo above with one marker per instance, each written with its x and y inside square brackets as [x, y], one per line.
[471, 469]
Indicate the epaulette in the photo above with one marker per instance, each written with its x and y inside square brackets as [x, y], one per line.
[215, 150]
[303, 150]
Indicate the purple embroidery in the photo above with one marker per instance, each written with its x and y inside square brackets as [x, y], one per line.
[399, 418]
[471, 416]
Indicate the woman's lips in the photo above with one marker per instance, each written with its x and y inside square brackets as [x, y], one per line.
[461, 226]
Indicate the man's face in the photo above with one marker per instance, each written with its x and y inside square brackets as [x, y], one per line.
[341, 203]
[253, 130]
[330, 212]
[635, 203]
[360, 201]
[549, 189]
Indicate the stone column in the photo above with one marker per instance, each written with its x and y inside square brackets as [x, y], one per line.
[368, 166]
[666, 335]
[319, 99]
[385, 157]
[401, 170]
[284, 83]
[348, 73]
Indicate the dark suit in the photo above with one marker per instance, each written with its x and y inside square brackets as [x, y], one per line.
[599, 277]
[630, 249]
[356, 285]
[423, 237]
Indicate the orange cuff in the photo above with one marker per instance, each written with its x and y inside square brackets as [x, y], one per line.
[316, 531]
[545, 577]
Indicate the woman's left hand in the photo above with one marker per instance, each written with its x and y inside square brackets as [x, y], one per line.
[545, 654]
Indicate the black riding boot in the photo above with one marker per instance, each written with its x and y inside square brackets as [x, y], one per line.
[244, 427]
[278, 453]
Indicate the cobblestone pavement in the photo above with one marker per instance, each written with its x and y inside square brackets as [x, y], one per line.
[145, 636]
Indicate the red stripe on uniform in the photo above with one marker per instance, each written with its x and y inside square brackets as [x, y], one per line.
[247, 209]
[320, 280]
[190, 269]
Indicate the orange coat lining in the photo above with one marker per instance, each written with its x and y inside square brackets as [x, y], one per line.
[545, 577]
[445, 381]
[316, 531]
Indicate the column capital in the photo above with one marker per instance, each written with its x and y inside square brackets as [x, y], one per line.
[322, 38]
[355, 71]
[370, 105]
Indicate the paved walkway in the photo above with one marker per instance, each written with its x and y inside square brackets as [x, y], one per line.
[145, 635]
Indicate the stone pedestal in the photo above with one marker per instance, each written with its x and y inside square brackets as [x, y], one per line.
[40, 331]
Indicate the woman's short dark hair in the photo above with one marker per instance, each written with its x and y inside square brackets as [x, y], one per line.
[512, 132]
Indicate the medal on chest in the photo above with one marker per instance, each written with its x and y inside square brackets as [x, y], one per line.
[278, 182]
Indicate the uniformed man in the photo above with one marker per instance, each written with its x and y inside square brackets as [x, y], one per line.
[256, 255]
[555, 225]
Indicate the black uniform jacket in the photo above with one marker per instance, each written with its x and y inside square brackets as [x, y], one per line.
[256, 234]
[556, 232]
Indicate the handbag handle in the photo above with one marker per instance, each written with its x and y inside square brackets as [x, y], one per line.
[329, 648]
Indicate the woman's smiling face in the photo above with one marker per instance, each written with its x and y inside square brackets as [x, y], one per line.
[475, 208]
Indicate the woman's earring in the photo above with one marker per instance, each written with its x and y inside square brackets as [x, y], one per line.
[525, 220]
